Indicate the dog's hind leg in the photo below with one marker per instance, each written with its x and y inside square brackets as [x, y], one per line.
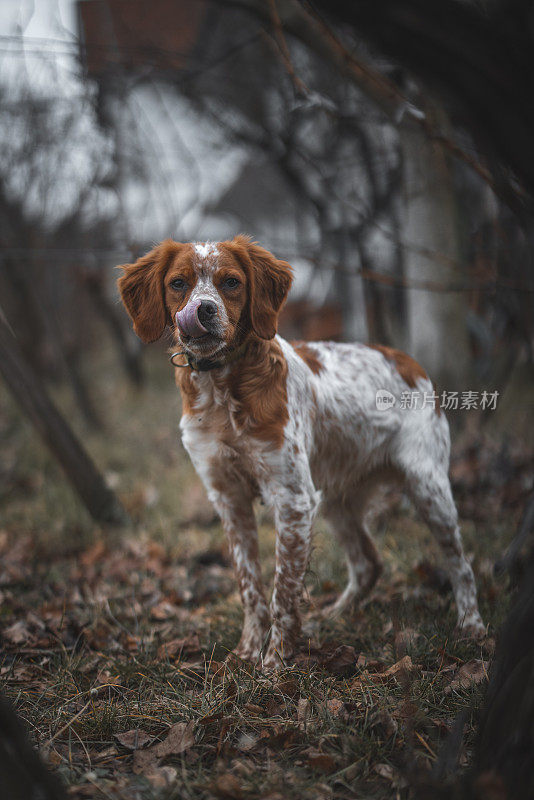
[430, 491]
[364, 565]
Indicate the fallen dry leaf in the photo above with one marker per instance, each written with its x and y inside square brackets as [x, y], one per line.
[340, 709]
[322, 762]
[103, 755]
[288, 688]
[342, 661]
[396, 670]
[180, 647]
[279, 736]
[273, 708]
[385, 771]
[339, 660]
[134, 739]
[146, 763]
[370, 664]
[105, 678]
[227, 786]
[404, 665]
[18, 674]
[179, 739]
[209, 719]
[253, 709]
[384, 723]
[470, 673]
[85, 790]
[335, 705]
[18, 633]
[247, 741]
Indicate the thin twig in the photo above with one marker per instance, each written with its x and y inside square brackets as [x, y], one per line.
[284, 50]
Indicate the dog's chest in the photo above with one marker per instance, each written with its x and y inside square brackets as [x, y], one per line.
[220, 446]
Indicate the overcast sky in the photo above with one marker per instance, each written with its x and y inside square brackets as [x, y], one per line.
[41, 18]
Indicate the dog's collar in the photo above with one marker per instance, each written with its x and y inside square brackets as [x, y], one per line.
[207, 364]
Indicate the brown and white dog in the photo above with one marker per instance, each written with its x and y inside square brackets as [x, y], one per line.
[297, 425]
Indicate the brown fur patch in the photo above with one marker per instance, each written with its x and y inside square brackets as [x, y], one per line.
[258, 383]
[187, 388]
[142, 290]
[407, 367]
[308, 356]
[269, 281]
[255, 387]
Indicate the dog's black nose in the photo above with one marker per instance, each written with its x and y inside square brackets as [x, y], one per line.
[206, 311]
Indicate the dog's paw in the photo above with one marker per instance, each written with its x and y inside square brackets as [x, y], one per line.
[251, 644]
[272, 662]
[249, 654]
[276, 657]
[471, 627]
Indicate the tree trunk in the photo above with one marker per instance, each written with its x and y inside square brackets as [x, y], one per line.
[432, 248]
[32, 397]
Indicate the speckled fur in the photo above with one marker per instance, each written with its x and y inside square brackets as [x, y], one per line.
[302, 431]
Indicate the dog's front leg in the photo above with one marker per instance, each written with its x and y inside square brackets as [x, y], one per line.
[295, 511]
[239, 524]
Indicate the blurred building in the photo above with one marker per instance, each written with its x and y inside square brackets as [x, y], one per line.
[210, 139]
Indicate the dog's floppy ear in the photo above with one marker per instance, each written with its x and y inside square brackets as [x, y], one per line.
[269, 283]
[142, 291]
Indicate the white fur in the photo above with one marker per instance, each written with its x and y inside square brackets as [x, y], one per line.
[207, 252]
[338, 450]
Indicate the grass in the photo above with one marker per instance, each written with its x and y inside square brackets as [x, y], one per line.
[91, 618]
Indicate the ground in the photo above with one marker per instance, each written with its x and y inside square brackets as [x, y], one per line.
[114, 642]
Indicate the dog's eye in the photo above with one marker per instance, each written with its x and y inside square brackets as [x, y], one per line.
[231, 283]
[178, 283]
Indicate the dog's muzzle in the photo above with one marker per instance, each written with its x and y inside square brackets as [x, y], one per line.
[195, 316]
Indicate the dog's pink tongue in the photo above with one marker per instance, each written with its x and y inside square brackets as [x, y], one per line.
[188, 322]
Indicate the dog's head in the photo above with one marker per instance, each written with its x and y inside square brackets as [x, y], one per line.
[214, 295]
